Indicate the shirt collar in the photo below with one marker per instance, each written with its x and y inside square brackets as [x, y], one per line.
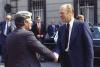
[71, 22]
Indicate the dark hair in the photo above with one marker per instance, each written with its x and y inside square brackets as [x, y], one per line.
[19, 21]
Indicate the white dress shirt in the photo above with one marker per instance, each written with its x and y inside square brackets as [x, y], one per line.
[56, 37]
[70, 30]
[39, 25]
[6, 27]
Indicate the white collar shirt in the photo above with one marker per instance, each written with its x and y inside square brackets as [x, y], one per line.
[6, 27]
[39, 25]
[70, 30]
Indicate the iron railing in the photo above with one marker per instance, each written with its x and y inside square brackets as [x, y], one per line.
[38, 8]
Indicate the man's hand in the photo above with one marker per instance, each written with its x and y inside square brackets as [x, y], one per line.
[41, 35]
[38, 36]
[56, 57]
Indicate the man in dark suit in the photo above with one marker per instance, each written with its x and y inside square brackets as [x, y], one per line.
[6, 27]
[82, 20]
[22, 46]
[52, 28]
[74, 45]
[39, 29]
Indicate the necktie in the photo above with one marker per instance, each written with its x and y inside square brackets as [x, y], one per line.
[66, 35]
[8, 29]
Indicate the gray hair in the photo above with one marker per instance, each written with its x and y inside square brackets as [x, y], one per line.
[25, 14]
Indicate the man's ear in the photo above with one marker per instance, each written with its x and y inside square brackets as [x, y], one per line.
[25, 22]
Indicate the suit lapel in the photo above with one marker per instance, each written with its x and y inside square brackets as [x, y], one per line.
[63, 36]
[74, 32]
[3, 26]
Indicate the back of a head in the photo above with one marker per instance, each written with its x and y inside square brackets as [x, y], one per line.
[20, 17]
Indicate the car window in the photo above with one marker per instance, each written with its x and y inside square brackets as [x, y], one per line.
[95, 33]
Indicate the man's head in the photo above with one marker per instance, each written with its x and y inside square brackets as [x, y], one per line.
[66, 12]
[23, 19]
[81, 18]
[38, 19]
[8, 18]
[52, 20]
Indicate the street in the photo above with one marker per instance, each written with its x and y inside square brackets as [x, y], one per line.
[46, 64]
[50, 64]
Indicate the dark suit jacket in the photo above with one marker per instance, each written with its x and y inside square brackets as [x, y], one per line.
[51, 31]
[80, 45]
[2, 29]
[35, 30]
[21, 48]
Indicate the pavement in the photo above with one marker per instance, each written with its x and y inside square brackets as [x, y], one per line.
[1, 65]
[46, 64]
[43, 64]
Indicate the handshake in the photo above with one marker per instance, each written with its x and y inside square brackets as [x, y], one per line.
[56, 57]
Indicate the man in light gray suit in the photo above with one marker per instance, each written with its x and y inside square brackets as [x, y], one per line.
[22, 46]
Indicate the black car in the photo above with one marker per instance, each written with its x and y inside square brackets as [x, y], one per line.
[96, 43]
[50, 43]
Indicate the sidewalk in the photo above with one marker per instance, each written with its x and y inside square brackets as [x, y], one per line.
[43, 64]
[46, 64]
[1, 65]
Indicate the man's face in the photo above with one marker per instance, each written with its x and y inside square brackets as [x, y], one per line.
[81, 19]
[28, 24]
[64, 15]
[53, 20]
[38, 20]
[8, 18]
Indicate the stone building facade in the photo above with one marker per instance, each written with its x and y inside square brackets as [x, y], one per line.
[51, 9]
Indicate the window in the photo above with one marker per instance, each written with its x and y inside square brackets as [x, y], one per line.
[88, 8]
[14, 5]
[38, 8]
